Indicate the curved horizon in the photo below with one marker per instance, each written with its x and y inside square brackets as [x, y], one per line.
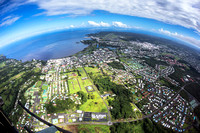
[169, 19]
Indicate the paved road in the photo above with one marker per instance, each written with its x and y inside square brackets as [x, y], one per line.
[109, 115]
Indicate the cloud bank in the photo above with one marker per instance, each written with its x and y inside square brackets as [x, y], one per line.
[178, 12]
[188, 39]
[103, 24]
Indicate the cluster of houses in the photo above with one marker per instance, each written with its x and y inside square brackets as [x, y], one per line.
[172, 115]
[187, 78]
[175, 114]
[156, 97]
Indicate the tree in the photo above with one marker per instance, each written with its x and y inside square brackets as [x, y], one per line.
[83, 96]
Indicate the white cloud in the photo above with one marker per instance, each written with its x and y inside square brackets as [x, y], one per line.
[114, 23]
[187, 39]
[104, 24]
[71, 26]
[101, 24]
[178, 12]
[119, 24]
[8, 20]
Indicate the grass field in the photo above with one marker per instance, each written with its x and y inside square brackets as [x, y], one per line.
[94, 105]
[37, 69]
[17, 76]
[93, 129]
[2, 64]
[93, 70]
[73, 85]
[44, 86]
[84, 83]
[39, 83]
[75, 80]
[78, 83]
[82, 72]
[87, 128]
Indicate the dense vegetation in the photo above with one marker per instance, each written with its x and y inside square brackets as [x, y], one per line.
[121, 103]
[59, 106]
[143, 126]
[164, 82]
[184, 95]
[152, 62]
[93, 128]
[83, 96]
[197, 111]
[116, 65]
[194, 89]
[15, 77]
[179, 73]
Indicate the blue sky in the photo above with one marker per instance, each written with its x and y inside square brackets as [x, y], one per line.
[24, 18]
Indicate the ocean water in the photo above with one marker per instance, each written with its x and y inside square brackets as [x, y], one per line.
[47, 46]
[57, 44]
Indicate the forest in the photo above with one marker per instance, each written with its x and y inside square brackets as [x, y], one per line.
[116, 65]
[121, 103]
[142, 126]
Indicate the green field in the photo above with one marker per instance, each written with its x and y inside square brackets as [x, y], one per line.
[93, 70]
[17, 76]
[162, 67]
[73, 85]
[2, 64]
[93, 129]
[82, 72]
[39, 83]
[44, 86]
[94, 105]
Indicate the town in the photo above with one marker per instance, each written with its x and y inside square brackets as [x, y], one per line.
[67, 91]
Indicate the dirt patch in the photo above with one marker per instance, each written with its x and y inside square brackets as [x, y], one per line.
[97, 129]
[71, 128]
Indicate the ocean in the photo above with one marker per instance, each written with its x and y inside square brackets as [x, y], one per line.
[47, 46]
[57, 44]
